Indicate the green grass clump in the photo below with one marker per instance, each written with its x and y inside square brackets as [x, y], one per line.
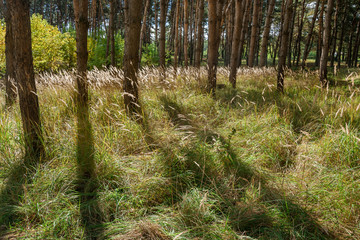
[249, 163]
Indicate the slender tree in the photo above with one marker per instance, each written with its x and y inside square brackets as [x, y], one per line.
[112, 31]
[325, 47]
[143, 28]
[131, 57]
[24, 74]
[200, 32]
[176, 33]
[284, 45]
[163, 10]
[236, 40]
[186, 33]
[254, 29]
[10, 85]
[265, 40]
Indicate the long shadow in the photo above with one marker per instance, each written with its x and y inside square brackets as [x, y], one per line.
[87, 185]
[12, 193]
[243, 218]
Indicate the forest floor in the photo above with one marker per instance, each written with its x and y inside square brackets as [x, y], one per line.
[249, 163]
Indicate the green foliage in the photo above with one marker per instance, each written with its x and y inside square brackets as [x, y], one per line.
[97, 51]
[150, 55]
[2, 46]
[51, 49]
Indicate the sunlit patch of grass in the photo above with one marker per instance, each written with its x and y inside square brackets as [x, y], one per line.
[247, 162]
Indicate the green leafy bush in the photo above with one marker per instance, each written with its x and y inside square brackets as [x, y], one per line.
[51, 49]
[2, 46]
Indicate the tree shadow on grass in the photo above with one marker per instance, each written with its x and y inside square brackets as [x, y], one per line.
[303, 114]
[92, 216]
[198, 166]
[13, 191]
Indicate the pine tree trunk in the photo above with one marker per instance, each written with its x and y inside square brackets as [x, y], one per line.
[186, 33]
[10, 85]
[326, 40]
[131, 58]
[254, 28]
[176, 37]
[199, 40]
[236, 40]
[112, 31]
[284, 46]
[265, 40]
[320, 34]
[299, 37]
[24, 73]
[143, 29]
[162, 33]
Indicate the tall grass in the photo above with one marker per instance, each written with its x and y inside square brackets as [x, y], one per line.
[248, 164]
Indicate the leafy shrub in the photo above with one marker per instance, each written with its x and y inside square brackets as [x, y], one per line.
[2, 46]
[51, 49]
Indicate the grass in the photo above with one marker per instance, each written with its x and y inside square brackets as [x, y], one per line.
[247, 164]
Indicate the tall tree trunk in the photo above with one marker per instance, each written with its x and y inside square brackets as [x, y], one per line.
[291, 33]
[215, 15]
[24, 73]
[199, 40]
[284, 46]
[320, 34]
[176, 33]
[310, 34]
[156, 21]
[334, 37]
[10, 85]
[236, 40]
[186, 33]
[85, 145]
[299, 37]
[112, 32]
[340, 48]
[254, 28]
[143, 29]
[131, 58]
[163, 11]
[265, 40]
[325, 48]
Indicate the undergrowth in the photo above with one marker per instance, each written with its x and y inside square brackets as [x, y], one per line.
[249, 163]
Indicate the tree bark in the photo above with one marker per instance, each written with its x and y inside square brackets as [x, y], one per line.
[320, 34]
[10, 85]
[215, 17]
[199, 45]
[284, 45]
[265, 40]
[131, 58]
[163, 11]
[325, 48]
[29, 104]
[176, 33]
[236, 40]
[186, 33]
[143, 29]
[112, 31]
[254, 28]
[299, 37]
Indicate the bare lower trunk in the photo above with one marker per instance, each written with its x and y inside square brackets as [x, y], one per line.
[24, 73]
[325, 48]
[284, 46]
[199, 34]
[254, 28]
[236, 40]
[265, 40]
[131, 58]
[162, 33]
